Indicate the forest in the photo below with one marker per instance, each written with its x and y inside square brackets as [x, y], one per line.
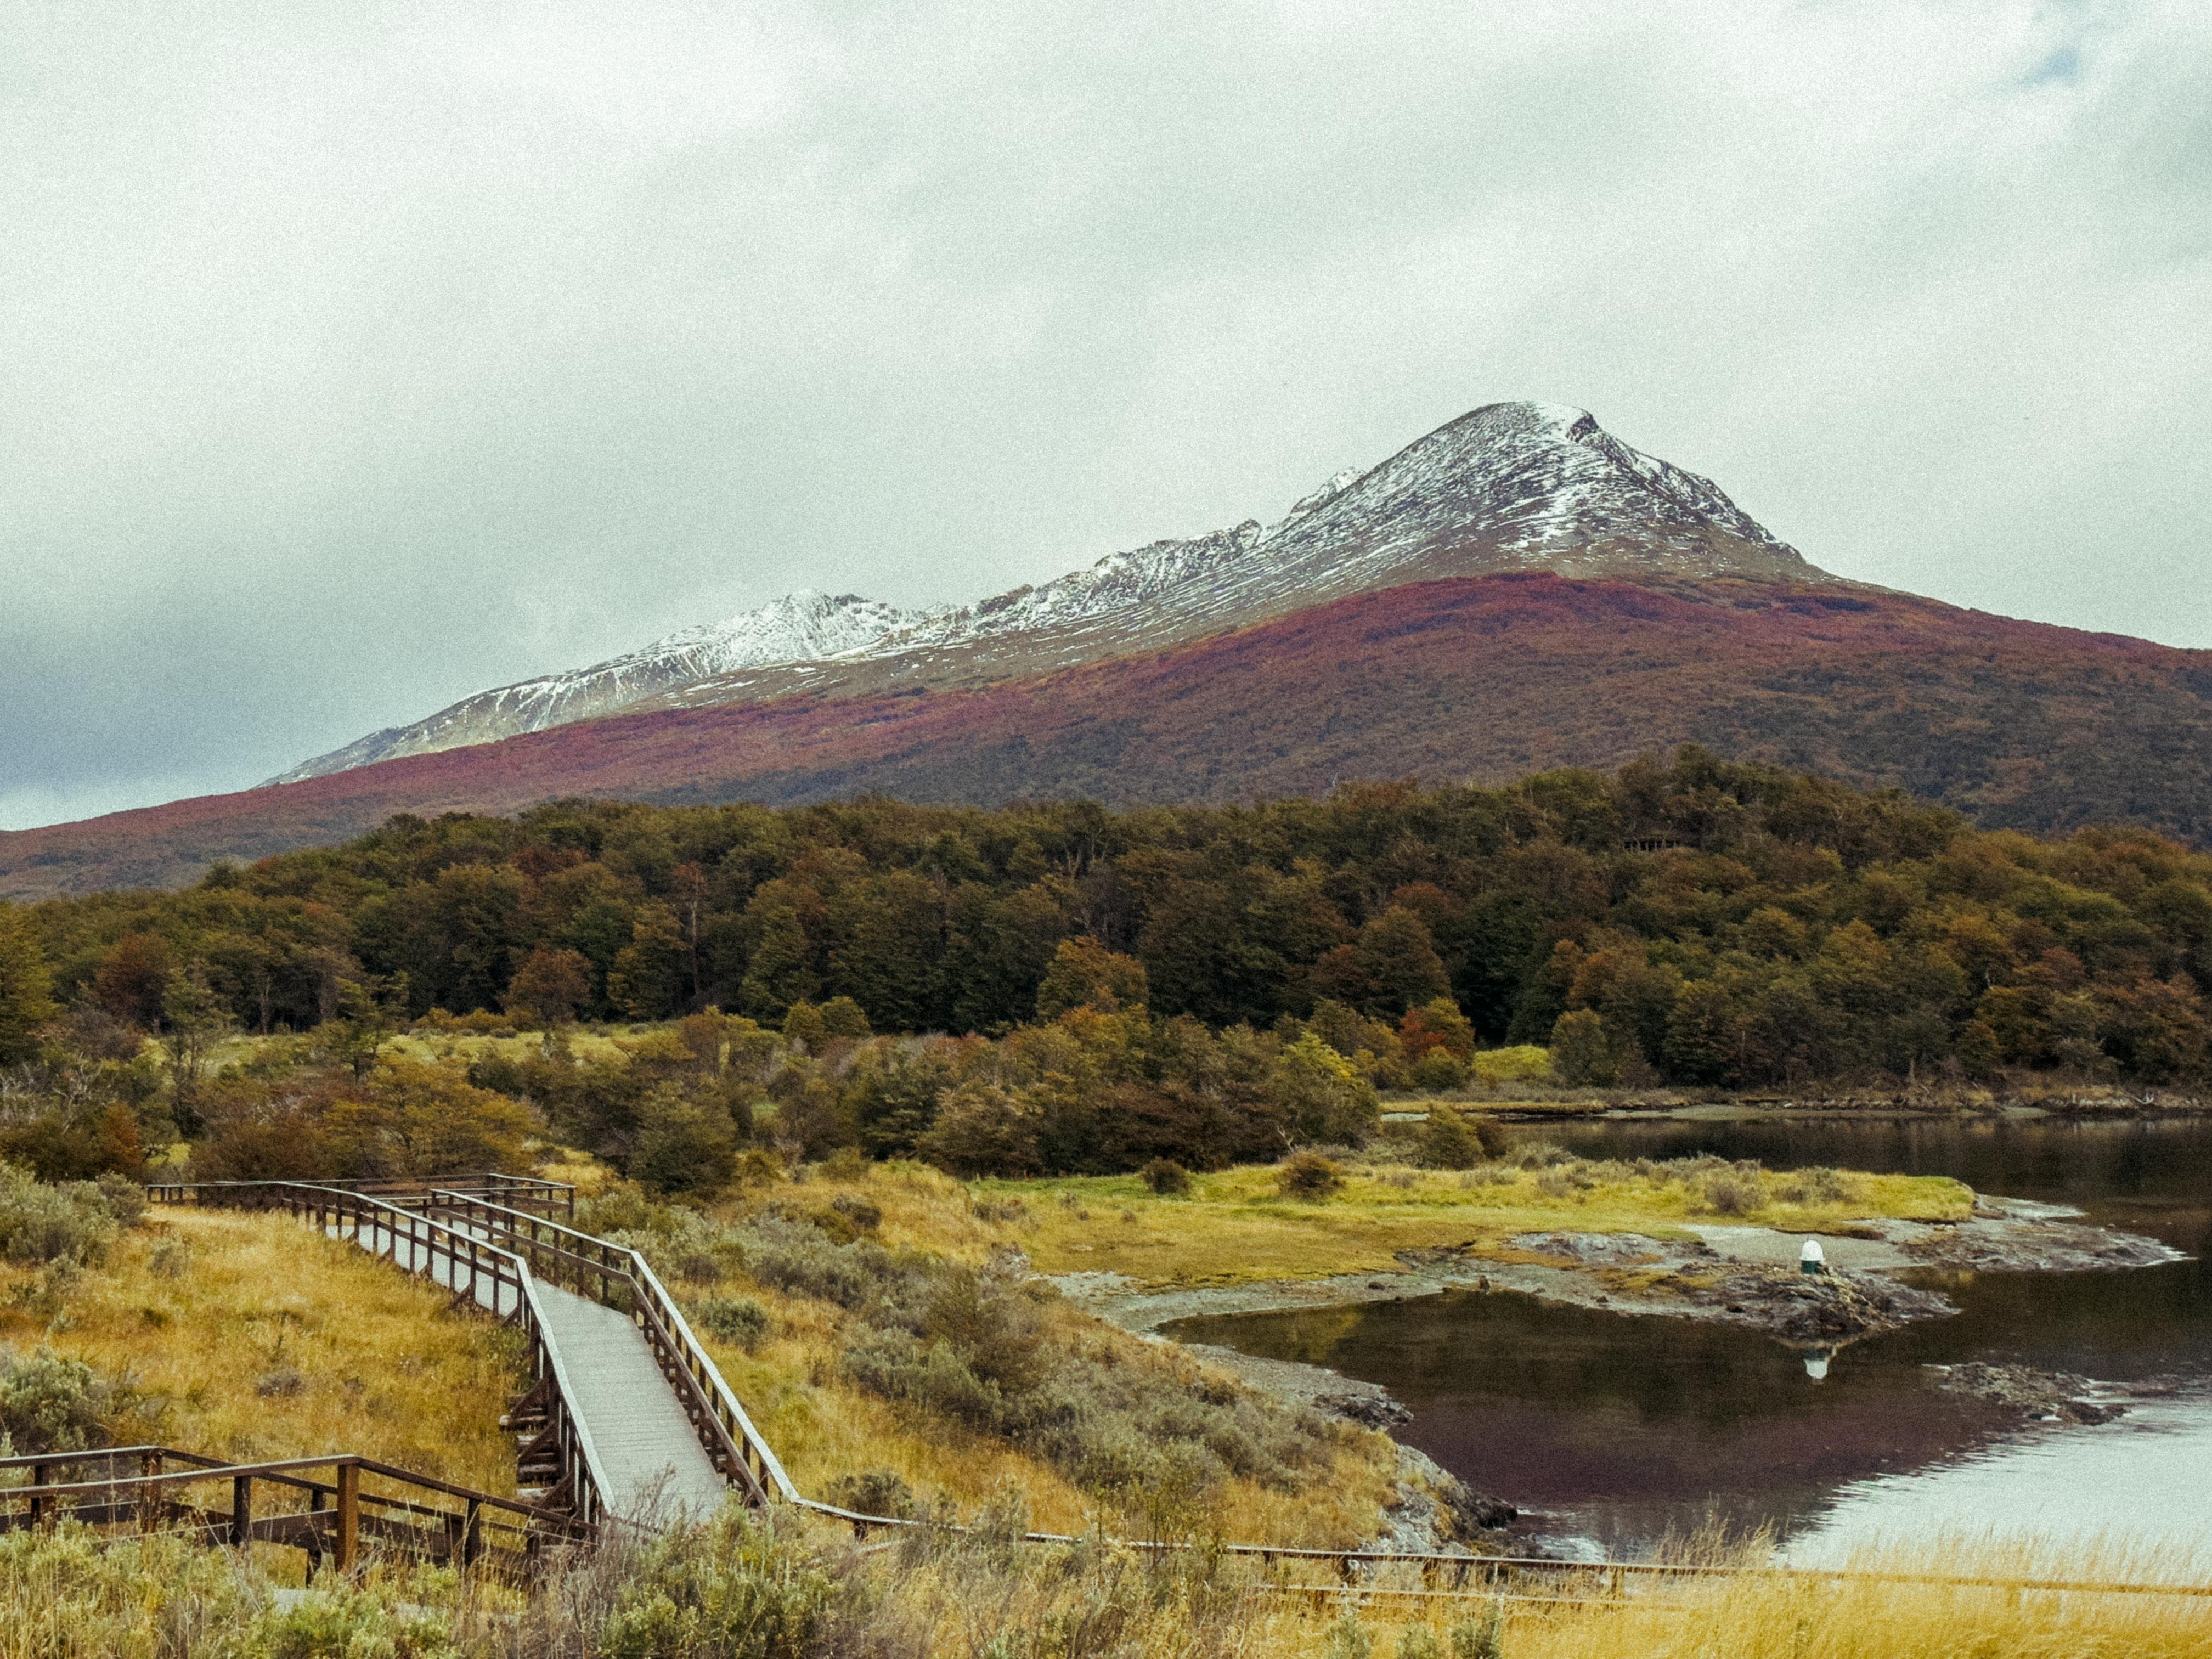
[1239, 978]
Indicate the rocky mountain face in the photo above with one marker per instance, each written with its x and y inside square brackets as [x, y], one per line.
[1513, 486]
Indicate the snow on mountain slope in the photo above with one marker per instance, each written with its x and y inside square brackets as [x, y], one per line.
[1508, 486]
[801, 627]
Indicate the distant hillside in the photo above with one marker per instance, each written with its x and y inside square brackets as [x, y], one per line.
[2020, 724]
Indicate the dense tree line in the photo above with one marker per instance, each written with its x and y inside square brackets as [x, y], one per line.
[1697, 922]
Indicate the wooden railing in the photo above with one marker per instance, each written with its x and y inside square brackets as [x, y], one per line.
[559, 1458]
[318, 1505]
[526, 1193]
[621, 1278]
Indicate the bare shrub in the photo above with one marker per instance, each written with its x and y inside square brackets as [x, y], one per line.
[1166, 1177]
[736, 1319]
[1731, 1194]
[1309, 1178]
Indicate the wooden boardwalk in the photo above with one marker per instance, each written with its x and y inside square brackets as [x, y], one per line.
[652, 1455]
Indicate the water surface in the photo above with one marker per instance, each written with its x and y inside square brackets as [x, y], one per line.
[1625, 1427]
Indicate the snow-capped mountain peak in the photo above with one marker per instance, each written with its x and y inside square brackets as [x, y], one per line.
[1507, 486]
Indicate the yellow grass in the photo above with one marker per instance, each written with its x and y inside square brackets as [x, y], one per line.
[1234, 1227]
[386, 1371]
[822, 1426]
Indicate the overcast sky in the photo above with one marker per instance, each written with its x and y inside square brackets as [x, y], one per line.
[359, 357]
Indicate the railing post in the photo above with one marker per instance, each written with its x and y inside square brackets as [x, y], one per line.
[349, 1549]
[472, 1533]
[242, 1511]
[150, 1497]
[41, 1511]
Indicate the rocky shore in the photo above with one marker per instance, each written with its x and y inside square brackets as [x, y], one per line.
[1739, 1275]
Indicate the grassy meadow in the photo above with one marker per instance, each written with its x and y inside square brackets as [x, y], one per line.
[253, 1337]
[1236, 1226]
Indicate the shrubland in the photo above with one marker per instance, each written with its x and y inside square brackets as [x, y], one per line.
[747, 1588]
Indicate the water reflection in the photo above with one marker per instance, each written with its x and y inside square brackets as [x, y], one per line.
[1630, 1427]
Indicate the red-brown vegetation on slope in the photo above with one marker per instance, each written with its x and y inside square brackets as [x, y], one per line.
[2020, 724]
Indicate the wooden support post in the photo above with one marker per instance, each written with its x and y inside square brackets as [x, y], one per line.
[472, 1533]
[41, 1508]
[348, 1551]
[151, 1500]
[242, 1511]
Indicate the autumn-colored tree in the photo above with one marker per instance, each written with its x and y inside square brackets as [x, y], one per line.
[1085, 974]
[549, 988]
[133, 977]
[1437, 1024]
[414, 1118]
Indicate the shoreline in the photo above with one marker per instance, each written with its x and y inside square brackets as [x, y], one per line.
[1684, 1109]
[1745, 1276]
[1741, 1275]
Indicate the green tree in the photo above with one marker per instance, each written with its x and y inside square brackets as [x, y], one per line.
[890, 945]
[194, 1019]
[780, 971]
[1328, 1101]
[26, 988]
[1581, 1050]
[892, 1095]
[646, 980]
[683, 1146]
[1700, 1046]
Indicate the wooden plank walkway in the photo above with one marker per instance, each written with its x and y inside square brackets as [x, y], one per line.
[645, 1444]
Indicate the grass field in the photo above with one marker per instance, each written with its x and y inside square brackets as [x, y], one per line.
[1235, 1226]
[252, 1337]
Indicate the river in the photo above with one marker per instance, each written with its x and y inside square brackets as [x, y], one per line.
[1622, 1429]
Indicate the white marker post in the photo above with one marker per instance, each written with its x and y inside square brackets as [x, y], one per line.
[1812, 1259]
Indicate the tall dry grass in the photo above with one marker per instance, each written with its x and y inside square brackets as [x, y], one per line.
[783, 1590]
[254, 1337]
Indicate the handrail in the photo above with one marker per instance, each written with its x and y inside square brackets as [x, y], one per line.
[736, 1447]
[531, 1189]
[582, 1473]
[482, 1529]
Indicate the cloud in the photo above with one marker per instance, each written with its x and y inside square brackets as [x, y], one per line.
[365, 358]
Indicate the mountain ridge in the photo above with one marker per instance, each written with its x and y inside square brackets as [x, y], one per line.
[2023, 724]
[1505, 486]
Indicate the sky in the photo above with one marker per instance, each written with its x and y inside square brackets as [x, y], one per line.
[359, 356]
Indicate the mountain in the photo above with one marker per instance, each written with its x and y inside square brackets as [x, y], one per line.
[1517, 590]
[2022, 724]
[1509, 486]
[798, 627]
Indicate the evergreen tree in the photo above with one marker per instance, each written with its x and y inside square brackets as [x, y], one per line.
[26, 988]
